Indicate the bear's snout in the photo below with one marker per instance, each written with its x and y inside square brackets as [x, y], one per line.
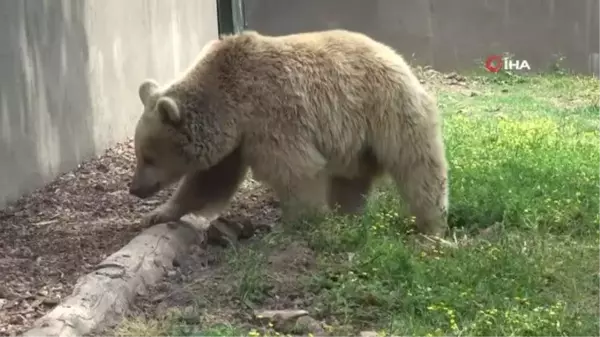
[142, 191]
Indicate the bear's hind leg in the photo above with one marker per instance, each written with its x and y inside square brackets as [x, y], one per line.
[348, 196]
[205, 193]
[302, 197]
[421, 175]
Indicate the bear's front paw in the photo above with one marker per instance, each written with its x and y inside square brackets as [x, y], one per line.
[160, 215]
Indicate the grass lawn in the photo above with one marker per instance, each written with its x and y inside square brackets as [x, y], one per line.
[524, 209]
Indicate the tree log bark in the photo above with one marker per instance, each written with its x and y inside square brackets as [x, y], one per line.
[103, 296]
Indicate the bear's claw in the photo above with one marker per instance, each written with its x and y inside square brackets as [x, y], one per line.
[159, 215]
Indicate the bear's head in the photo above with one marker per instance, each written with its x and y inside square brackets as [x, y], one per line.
[189, 125]
[159, 141]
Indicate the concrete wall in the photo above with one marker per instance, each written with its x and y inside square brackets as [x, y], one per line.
[450, 34]
[69, 74]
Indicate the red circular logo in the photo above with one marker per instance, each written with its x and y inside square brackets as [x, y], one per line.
[494, 63]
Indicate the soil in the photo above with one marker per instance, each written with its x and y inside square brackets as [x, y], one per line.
[51, 237]
[434, 81]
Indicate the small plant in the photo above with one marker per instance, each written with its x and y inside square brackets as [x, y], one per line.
[252, 285]
[556, 67]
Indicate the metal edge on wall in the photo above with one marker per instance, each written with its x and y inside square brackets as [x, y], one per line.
[231, 16]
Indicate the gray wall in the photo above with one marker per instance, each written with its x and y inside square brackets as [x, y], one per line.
[69, 74]
[450, 34]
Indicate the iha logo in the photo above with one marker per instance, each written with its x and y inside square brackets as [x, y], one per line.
[495, 63]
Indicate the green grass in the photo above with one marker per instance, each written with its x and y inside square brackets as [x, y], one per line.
[524, 214]
[524, 157]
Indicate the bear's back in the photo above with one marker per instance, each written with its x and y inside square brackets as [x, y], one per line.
[315, 71]
[332, 87]
[335, 50]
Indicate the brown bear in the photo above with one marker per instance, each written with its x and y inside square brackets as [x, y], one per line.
[316, 116]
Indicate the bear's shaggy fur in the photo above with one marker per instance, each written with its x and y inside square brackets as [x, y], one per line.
[316, 116]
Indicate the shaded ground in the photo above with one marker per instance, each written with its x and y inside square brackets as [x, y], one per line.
[60, 232]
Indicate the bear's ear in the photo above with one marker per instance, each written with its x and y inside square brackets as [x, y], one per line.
[147, 89]
[168, 111]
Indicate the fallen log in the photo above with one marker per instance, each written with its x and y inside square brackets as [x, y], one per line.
[103, 296]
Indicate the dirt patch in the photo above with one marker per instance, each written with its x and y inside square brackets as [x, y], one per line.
[435, 81]
[56, 234]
